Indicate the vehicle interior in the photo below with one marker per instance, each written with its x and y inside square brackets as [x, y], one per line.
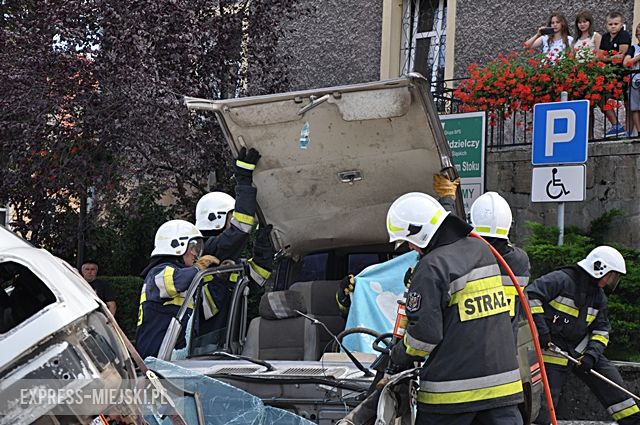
[309, 286]
[22, 295]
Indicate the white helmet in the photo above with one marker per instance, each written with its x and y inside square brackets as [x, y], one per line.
[414, 217]
[212, 210]
[174, 238]
[491, 216]
[602, 260]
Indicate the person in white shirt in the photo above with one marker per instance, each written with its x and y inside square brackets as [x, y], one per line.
[554, 38]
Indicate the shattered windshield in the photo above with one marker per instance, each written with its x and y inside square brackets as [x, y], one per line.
[216, 402]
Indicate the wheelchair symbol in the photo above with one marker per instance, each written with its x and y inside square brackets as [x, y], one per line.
[556, 183]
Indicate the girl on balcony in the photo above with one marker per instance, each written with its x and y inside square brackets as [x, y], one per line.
[554, 38]
[587, 40]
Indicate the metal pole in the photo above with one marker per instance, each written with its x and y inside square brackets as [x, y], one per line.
[564, 96]
[556, 349]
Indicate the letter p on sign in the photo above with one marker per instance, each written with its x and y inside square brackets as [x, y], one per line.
[560, 132]
[561, 128]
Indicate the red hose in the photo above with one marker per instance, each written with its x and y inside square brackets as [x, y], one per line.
[532, 326]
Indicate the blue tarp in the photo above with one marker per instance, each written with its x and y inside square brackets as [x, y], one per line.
[374, 302]
[221, 403]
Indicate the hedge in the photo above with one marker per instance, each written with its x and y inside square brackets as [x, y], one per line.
[127, 290]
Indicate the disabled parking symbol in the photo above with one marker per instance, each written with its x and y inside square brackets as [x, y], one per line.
[555, 188]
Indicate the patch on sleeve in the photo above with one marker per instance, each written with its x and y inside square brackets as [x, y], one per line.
[413, 301]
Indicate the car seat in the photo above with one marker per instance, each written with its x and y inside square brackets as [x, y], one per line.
[280, 333]
[320, 301]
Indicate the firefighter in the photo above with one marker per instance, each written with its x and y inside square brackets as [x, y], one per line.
[569, 307]
[446, 190]
[458, 315]
[227, 224]
[490, 217]
[175, 260]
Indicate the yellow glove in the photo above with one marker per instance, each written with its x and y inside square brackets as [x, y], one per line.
[205, 261]
[444, 187]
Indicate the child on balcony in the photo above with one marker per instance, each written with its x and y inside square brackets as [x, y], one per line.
[613, 47]
[587, 40]
[632, 60]
[554, 44]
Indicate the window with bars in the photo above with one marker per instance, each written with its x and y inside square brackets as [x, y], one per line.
[424, 38]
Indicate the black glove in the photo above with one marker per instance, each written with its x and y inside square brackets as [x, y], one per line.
[347, 285]
[544, 340]
[262, 248]
[400, 360]
[245, 164]
[586, 363]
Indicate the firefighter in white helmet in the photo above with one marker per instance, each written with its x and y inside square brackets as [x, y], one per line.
[491, 218]
[569, 307]
[458, 315]
[227, 224]
[175, 260]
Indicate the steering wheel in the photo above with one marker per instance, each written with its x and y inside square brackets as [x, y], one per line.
[385, 338]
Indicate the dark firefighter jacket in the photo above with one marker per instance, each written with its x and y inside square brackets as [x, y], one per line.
[568, 305]
[458, 315]
[217, 293]
[518, 262]
[166, 280]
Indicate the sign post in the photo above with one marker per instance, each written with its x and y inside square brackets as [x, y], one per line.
[465, 134]
[560, 136]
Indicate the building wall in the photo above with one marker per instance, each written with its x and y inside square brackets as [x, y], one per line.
[337, 43]
[486, 28]
[613, 181]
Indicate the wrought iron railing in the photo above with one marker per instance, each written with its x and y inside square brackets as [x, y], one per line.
[517, 129]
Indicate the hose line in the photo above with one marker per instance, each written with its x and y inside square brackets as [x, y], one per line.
[532, 326]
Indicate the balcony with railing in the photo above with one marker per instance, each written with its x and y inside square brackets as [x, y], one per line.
[509, 109]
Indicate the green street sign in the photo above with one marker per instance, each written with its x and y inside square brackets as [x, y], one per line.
[465, 134]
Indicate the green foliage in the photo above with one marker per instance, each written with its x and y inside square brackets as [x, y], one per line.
[624, 310]
[123, 240]
[127, 291]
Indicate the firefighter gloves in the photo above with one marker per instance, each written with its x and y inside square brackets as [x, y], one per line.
[245, 164]
[444, 187]
[586, 363]
[347, 285]
[206, 261]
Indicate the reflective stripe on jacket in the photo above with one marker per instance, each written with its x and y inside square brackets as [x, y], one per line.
[458, 314]
[568, 305]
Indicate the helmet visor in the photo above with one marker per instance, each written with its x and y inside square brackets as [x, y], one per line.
[197, 245]
[614, 279]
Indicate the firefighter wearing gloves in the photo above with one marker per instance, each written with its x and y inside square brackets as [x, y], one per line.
[491, 218]
[228, 224]
[569, 307]
[458, 315]
[343, 296]
[175, 260]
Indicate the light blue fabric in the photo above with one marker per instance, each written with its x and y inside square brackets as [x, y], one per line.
[374, 301]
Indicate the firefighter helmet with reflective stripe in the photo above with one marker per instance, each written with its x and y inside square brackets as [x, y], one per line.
[602, 260]
[212, 210]
[491, 216]
[414, 217]
[174, 238]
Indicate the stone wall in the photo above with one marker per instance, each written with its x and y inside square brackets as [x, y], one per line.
[486, 28]
[337, 42]
[613, 181]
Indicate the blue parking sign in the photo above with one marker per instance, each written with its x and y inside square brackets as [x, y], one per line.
[560, 132]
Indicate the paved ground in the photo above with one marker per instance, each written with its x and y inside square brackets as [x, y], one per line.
[584, 423]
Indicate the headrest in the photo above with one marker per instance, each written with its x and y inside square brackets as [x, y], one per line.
[281, 305]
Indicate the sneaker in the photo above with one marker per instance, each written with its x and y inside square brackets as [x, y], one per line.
[616, 130]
